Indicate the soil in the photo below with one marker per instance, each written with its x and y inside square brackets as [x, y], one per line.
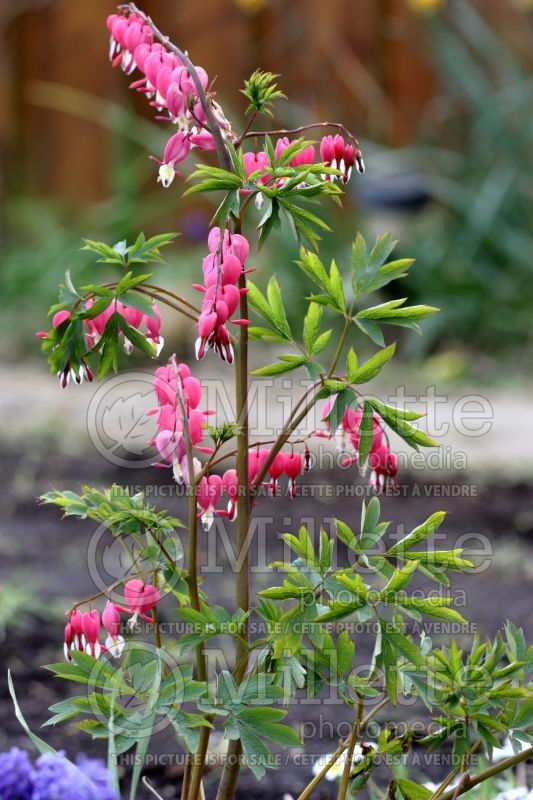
[51, 558]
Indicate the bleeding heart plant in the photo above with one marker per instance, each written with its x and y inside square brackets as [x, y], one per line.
[475, 694]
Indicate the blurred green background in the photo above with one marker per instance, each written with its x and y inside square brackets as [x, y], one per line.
[438, 92]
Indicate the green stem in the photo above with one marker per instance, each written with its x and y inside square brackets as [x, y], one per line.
[282, 440]
[340, 346]
[194, 598]
[293, 422]
[153, 296]
[334, 757]
[490, 772]
[350, 751]
[231, 770]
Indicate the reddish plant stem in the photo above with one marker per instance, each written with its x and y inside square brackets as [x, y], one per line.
[294, 131]
[194, 597]
[230, 774]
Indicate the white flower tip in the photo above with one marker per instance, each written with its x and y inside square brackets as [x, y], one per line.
[167, 174]
[115, 645]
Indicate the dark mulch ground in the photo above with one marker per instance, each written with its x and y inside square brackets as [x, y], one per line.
[54, 556]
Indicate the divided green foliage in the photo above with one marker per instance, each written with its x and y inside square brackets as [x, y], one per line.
[261, 89]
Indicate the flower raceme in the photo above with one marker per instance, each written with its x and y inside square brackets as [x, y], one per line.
[82, 631]
[383, 462]
[148, 325]
[214, 487]
[135, 319]
[338, 155]
[305, 156]
[222, 270]
[169, 86]
[178, 395]
[67, 373]
[333, 152]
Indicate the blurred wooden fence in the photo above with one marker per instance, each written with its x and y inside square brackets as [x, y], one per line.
[362, 61]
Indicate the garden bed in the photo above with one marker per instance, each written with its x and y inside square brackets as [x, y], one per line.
[52, 557]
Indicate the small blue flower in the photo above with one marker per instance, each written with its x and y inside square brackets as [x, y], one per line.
[55, 778]
[15, 775]
[97, 772]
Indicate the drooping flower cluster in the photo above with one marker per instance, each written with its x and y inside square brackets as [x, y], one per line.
[82, 631]
[178, 395]
[149, 326]
[68, 372]
[289, 464]
[212, 488]
[53, 776]
[334, 153]
[337, 154]
[383, 462]
[222, 269]
[169, 86]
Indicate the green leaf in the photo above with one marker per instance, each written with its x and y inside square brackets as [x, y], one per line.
[406, 648]
[277, 309]
[346, 535]
[369, 272]
[259, 303]
[399, 580]
[146, 725]
[230, 204]
[270, 307]
[311, 329]
[381, 251]
[336, 289]
[264, 334]
[417, 535]
[371, 330]
[367, 371]
[320, 342]
[265, 721]
[147, 250]
[345, 399]
[339, 610]
[108, 255]
[109, 346]
[412, 791]
[137, 339]
[279, 369]
[345, 653]
[390, 667]
[431, 606]
[396, 419]
[39, 743]
[261, 90]
[269, 222]
[312, 266]
[351, 365]
[391, 313]
[366, 433]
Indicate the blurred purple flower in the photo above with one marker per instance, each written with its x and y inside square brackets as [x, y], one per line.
[55, 778]
[15, 775]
